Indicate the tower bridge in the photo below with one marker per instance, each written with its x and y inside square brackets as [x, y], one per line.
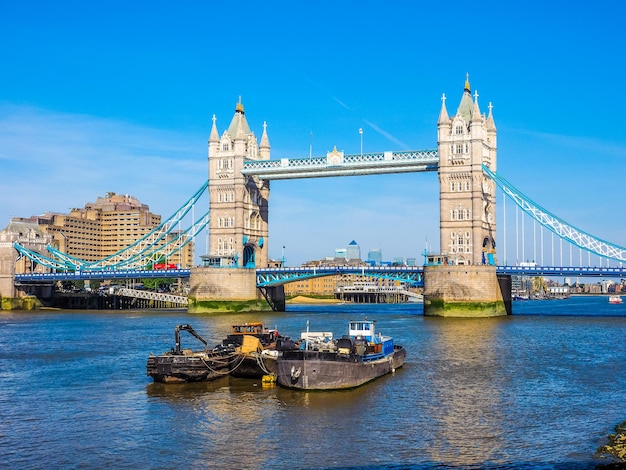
[461, 280]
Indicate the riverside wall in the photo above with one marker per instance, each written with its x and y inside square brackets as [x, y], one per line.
[213, 290]
[465, 291]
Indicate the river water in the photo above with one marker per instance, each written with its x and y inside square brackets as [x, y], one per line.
[539, 389]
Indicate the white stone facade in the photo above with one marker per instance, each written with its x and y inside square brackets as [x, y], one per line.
[238, 227]
[467, 197]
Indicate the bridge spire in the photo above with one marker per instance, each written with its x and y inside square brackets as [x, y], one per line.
[491, 125]
[264, 148]
[466, 105]
[476, 110]
[443, 114]
[214, 136]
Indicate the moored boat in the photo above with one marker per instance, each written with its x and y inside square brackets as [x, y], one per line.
[615, 299]
[186, 365]
[256, 348]
[319, 362]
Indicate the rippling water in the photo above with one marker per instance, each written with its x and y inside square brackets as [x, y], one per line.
[539, 389]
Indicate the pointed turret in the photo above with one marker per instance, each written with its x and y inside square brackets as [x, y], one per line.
[443, 114]
[265, 144]
[466, 105]
[214, 136]
[214, 139]
[475, 109]
[239, 124]
[491, 125]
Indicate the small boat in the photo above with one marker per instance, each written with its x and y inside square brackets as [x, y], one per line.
[319, 362]
[256, 346]
[186, 365]
[615, 299]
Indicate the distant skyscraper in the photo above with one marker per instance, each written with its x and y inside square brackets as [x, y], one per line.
[375, 257]
[353, 252]
[341, 253]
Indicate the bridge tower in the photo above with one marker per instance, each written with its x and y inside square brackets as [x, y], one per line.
[462, 280]
[238, 227]
[29, 235]
[467, 140]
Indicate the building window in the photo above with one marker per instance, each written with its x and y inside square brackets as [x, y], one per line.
[459, 129]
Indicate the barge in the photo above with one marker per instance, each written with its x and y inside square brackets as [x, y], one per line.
[186, 365]
[319, 362]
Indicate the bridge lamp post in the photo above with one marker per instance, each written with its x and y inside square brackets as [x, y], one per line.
[361, 134]
[282, 256]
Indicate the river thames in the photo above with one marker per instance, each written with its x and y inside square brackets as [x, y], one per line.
[539, 389]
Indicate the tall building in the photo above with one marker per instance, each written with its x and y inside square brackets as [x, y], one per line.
[105, 227]
[375, 257]
[353, 252]
[467, 140]
[239, 230]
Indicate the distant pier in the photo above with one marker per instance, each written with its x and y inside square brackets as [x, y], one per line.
[371, 293]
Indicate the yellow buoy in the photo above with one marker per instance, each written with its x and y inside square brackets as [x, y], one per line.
[268, 379]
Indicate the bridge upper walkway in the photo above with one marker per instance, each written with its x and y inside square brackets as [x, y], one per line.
[337, 164]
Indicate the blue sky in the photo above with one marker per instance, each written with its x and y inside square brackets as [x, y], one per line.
[118, 96]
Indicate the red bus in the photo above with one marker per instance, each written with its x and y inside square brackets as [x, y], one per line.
[164, 266]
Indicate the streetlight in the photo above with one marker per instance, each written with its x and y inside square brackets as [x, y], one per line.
[361, 133]
[282, 256]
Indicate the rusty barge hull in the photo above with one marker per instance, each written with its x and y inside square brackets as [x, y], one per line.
[317, 370]
[172, 368]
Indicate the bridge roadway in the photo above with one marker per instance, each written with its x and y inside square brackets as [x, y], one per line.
[102, 275]
[276, 276]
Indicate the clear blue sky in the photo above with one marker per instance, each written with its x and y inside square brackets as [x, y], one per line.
[118, 96]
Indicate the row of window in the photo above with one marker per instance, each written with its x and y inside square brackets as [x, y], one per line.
[225, 222]
[454, 235]
[460, 186]
[467, 249]
[225, 164]
[457, 149]
[226, 196]
[460, 214]
[225, 247]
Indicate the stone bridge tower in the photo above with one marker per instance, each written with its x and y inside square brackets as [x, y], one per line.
[238, 227]
[467, 201]
[462, 281]
[28, 234]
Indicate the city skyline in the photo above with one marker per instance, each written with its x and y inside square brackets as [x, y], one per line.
[93, 101]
